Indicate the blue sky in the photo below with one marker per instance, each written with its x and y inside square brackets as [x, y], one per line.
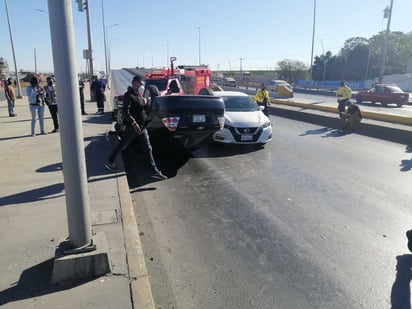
[262, 32]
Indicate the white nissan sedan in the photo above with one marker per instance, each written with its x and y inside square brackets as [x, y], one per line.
[245, 123]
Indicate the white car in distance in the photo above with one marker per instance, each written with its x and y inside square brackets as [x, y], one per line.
[245, 123]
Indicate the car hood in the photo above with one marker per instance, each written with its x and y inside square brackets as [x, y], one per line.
[245, 119]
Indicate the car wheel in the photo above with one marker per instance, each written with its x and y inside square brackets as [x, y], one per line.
[399, 104]
[359, 99]
[205, 91]
[150, 93]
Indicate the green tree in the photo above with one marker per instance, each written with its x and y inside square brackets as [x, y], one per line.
[361, 58]
[292, 70]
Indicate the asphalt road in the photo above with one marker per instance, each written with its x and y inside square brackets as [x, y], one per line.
[316, 219]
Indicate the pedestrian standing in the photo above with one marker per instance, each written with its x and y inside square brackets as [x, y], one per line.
[135, 118]
[92, 87]
[262, 98]
[10, 97]
[36, 96]
[81, 93]
[343, 94]
[50, 93]
[99, 89]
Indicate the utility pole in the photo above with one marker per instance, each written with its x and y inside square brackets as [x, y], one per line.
[241, 69]
[105, 44]
[35, 62]
[14, 54]
[89, 39]
[313, 39]
[71, 135]
[198, 28]
[387, 13]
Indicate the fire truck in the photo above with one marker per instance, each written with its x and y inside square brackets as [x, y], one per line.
[189, 79]
[185, 79]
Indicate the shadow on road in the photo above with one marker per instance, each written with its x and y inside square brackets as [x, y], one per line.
[138, 169]
[36, 281]
[401, 293]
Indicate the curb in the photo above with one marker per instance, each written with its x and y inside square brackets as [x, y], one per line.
[139, 283]
[369, 115]
[141, 293]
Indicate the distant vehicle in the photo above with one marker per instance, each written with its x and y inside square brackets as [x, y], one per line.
[245, 123]
[229, 82]
[281, 87]
[385, 94]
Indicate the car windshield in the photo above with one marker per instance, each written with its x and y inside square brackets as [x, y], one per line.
[161, 84]
[240, 104]
[277, 83]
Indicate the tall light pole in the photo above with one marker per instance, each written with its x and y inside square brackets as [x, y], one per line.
[14, 55]
[35, 62]
[198, 28]
[105, 29]
[89, 40]
[151, 54]
[230, 64]
[388, 14]
[167, 53]
[108, 53]
[313, 39]
[105, 55]
[324, 60]
[241, 69]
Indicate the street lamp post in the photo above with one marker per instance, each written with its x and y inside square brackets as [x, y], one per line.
[198, 28]
[35, 62]
[89, 41]
[324, 60]
[108, 53]
[313, 39]
[14, 54]
[241, 68]
[387, 13]
[105, 29]
[230, 64]
[167, 53]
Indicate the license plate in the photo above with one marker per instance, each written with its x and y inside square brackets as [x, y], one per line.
[246, 137]
[199, 118]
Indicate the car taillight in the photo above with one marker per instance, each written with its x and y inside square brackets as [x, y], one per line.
[221, 120]
[171, 123]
